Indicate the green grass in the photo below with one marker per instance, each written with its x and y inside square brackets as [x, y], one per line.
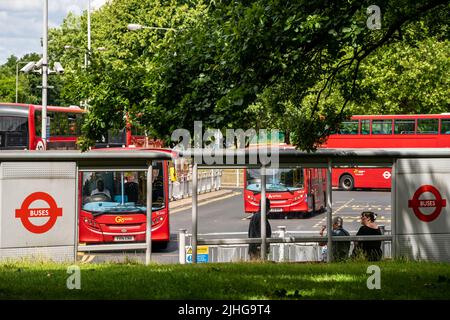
[399, 280]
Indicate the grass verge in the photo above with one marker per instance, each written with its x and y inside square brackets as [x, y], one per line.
[348, 280]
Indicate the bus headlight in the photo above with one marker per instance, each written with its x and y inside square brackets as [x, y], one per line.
[91, 223]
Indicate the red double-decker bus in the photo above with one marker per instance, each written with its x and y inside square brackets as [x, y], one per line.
[20, 126]
[112, 203]
[384, 132]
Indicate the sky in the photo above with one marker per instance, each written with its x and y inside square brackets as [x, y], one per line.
[21, 23]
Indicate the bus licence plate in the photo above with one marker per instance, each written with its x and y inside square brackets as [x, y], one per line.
[124, 238]
[276, 209]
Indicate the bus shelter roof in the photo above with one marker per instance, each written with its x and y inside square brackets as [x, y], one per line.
[104, 158]
[285, 156]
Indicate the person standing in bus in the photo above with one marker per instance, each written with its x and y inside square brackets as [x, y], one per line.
[254, 231]
[341, 249]
[131, 188]
[371, 250]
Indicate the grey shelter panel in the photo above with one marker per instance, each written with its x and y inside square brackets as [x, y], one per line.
[37, 201]
[422, 208]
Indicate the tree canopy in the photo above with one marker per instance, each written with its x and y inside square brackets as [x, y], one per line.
[301, 66]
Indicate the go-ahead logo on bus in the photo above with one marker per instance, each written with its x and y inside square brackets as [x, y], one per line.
[25, 213]
[437, 203]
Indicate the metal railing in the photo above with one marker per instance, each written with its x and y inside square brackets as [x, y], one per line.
[208, 181]
[285, 246]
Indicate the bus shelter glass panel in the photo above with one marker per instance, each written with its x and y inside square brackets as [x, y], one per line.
[113, 206]
[293, 192]
[121, 191]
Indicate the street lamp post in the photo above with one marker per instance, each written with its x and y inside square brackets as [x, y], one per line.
[86, 56]
[44, 76]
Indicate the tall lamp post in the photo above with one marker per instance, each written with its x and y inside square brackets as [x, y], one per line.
[86, 55]
[44, 75]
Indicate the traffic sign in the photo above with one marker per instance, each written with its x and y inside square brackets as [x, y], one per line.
[202, 254]
[25, 213]
[438, 203]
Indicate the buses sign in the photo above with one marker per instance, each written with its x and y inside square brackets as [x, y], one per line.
[437, 203]
[25, 213]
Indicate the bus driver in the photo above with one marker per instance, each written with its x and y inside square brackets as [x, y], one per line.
[101, 189]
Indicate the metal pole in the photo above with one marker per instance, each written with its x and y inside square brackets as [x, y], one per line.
[263, 214]
[86, 55]
[394, 209]
[122, 187]
[77, 213]
[148, 229]
[282, 245]
[329, 214]
[17, 81]
[194, 212]
[44, 76]
[182, 246]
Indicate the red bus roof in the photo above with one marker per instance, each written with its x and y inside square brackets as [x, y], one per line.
[74, 109]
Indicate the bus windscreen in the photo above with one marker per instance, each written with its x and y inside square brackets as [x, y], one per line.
[277, 180]
[121, 191]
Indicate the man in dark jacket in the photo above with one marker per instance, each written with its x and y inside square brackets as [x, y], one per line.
[254, 231]
[340, 248]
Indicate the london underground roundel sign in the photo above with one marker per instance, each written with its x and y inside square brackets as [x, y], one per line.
[25, 213]
[437, 203]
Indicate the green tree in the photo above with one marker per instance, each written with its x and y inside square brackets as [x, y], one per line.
[27, 83]
[297, 64]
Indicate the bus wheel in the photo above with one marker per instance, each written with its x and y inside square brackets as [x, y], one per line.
[346, 182]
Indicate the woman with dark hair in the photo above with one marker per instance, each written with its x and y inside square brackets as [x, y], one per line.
[370, 249]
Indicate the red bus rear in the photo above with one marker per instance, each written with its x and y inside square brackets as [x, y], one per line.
[383, 132]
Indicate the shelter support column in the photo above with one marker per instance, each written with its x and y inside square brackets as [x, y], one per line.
[194, 212]
[148, 229]
[263, 214]
[394, 209]
[329, 213]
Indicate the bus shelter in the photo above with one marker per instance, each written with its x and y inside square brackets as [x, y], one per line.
[419, 194]
[40, 194]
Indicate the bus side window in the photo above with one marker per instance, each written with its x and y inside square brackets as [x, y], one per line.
[445, 126]
[427, 126]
